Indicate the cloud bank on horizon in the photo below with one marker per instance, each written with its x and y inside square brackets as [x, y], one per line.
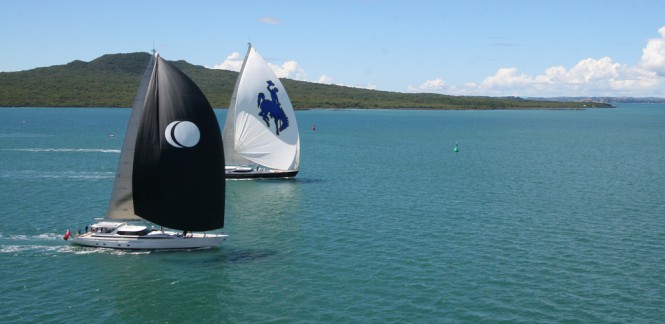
[600, 77]
[589, 77]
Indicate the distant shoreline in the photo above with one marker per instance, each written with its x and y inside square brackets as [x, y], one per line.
[335, 108]
[111, 81]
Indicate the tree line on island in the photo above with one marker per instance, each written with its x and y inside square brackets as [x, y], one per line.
[111, 81]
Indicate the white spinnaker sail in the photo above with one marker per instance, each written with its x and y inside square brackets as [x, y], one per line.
[121, 204]
[253, 139]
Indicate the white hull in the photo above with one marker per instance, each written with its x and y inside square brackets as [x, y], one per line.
[150, 242]
[117, 235]
[198, 169]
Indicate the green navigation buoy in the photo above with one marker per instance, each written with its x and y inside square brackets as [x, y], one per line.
[456, 148]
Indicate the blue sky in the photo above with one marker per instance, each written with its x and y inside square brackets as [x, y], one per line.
[494, 48]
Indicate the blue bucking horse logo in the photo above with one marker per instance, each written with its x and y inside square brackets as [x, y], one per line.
[272, 109]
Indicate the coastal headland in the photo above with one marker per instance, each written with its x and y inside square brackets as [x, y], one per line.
[111, 81]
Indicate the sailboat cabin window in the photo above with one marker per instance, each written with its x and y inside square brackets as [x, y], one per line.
[142, 232]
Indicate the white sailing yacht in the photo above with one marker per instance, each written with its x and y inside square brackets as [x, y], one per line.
[260, 132]
[170, 170]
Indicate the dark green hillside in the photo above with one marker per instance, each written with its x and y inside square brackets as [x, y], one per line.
[108, 81]
[112, 80]
[216, 84]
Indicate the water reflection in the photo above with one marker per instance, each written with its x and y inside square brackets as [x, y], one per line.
[262, 212]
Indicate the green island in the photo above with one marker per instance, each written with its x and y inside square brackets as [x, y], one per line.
[111, 81]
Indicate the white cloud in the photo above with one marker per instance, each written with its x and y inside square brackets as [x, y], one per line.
[233, 62]
[366, 86]
[506, 77]
[589, 77]
[269, 20]
[359, 86]
[433, 85]
[653, 55]
[290, 70]
[324, 79]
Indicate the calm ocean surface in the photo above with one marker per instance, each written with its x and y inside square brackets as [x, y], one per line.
[542, 216]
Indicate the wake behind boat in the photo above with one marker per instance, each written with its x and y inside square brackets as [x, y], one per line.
[260, 132]
[170, 170]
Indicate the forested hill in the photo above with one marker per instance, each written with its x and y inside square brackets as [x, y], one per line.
[112, 80]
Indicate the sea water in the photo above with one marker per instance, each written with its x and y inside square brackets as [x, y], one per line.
[542, 216]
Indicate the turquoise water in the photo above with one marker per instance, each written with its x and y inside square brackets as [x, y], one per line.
[542, 216]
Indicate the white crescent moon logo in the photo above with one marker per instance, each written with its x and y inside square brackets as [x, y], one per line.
[182, 134]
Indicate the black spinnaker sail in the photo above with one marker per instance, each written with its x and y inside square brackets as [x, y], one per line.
[178, 170]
